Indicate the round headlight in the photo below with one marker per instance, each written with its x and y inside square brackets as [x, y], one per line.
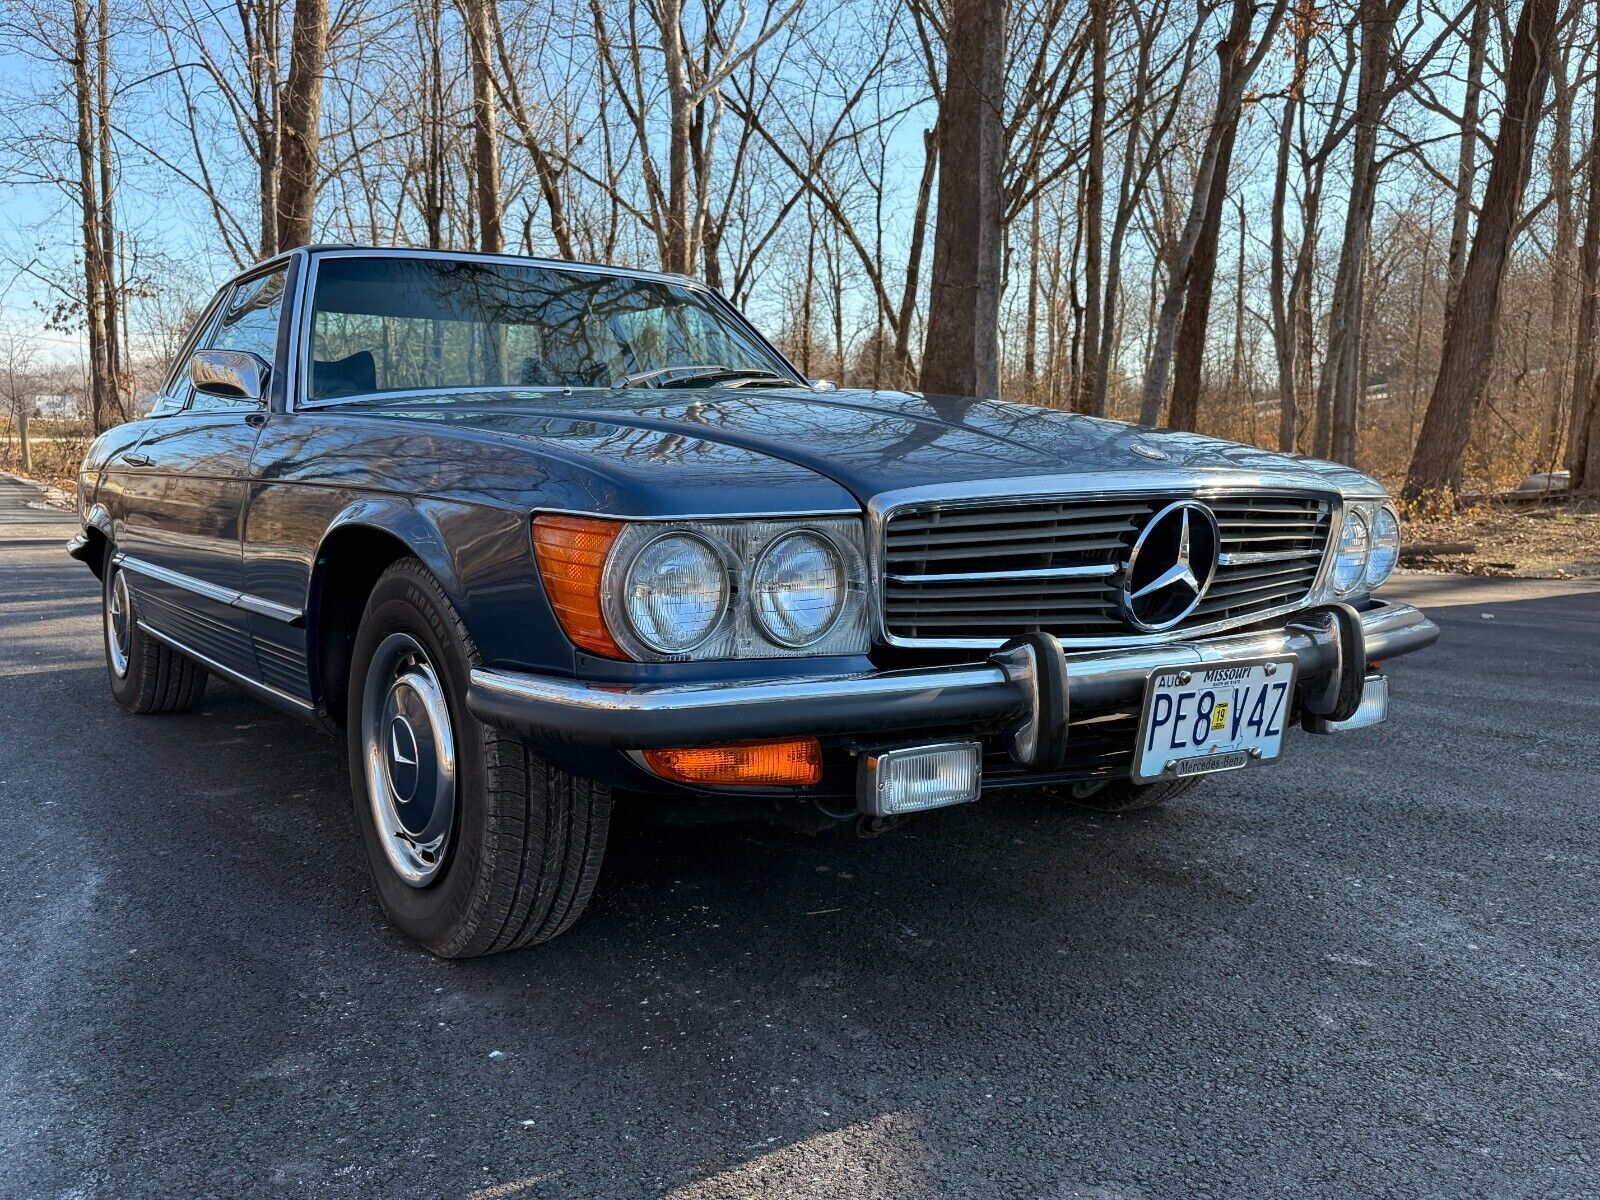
[675, 593]
[1385, 547]
[1354, 543]
[798, 589]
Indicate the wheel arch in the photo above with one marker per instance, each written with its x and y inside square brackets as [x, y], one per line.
[357, 547]
[93, 542]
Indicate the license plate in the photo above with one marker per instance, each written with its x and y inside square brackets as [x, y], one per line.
[1218, 717]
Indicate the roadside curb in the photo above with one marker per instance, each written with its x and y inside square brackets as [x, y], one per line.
[51, 495]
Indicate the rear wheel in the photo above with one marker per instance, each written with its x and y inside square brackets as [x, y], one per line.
[476, 844]
[146, 675]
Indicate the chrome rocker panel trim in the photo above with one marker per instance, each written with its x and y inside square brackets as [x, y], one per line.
[994, 694]
[222, 595]
[265, 691]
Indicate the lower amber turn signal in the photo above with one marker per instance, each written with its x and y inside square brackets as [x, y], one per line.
[793, 763]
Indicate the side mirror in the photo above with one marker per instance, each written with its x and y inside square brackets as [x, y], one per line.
[233, 374]
[824, 385]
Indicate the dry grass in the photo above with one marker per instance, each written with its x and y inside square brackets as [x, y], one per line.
[1542, 541]
[56, 454]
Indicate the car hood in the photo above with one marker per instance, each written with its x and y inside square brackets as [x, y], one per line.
[727, 449]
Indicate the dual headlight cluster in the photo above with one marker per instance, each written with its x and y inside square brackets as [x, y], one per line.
[1369, 548]
[673, 590]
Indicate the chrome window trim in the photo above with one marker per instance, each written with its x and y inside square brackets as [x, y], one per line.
[212, 591]
[300, 340]
[1200, 484]
[209, 316]
[241, 679]
[413, 393]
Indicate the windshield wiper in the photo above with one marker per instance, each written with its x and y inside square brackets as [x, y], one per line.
[640, 378]
[728, 375]
[699, 376]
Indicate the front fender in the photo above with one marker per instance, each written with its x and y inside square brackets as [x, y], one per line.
[482, 558]
[401, 520]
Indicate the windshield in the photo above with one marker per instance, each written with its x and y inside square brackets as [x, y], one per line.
[406, 324]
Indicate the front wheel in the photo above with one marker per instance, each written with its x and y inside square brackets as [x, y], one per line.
[146, 675]
[476, 845]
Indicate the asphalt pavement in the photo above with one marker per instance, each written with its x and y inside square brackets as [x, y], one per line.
[1370, 970]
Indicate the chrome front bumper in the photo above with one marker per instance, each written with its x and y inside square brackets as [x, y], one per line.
[1025, 690]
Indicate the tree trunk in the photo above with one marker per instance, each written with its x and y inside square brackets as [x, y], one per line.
[109, 289]
[961, 355]
[1290, 290]
[807, 293]
[1339, 391]
[1562, 251]
[94, 266]
[680, 108]
[1094, 201]
[1469, 336]
[1283, 333]
[1467, 159]
[302, 123]
[1236, 65]
[1584, 413]
[25, 461]
[433, 132]
[485, 133]
[1030, 340]
[1189, 360]
[913, 280]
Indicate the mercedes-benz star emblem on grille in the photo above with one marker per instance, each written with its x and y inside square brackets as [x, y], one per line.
[1170, 566]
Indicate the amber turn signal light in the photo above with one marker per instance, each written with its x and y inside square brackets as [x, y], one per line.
[793, 763]
[571, 553]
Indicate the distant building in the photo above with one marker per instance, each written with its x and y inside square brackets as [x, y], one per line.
[57, 408]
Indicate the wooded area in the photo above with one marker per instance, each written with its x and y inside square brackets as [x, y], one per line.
[1364, 229]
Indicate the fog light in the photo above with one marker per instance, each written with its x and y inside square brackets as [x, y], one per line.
[1373, 710]
[892, 782]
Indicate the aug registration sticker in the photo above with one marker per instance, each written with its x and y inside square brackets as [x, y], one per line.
[1213, 718]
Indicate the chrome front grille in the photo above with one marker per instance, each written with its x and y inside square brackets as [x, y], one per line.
[976, 572]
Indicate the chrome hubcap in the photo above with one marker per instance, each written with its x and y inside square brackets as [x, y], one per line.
[119, 623]
[409, 750]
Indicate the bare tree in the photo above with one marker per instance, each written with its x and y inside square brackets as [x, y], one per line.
[1583, 423]
[18, 358]
[961, 353]
[92, 104]
[1470, 334]
[481, 23]
[1101, 13]
[302, 124]
[1467, 158]
[694, 77]
[1288, 290]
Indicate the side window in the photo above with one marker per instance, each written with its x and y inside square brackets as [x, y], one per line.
[249, 322]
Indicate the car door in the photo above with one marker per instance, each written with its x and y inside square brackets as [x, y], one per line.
[183, 491]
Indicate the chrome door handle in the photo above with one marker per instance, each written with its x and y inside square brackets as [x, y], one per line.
[138, 460]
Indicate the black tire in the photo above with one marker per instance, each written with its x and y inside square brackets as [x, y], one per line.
[154, 678]
[524, 841]
[1122, 795]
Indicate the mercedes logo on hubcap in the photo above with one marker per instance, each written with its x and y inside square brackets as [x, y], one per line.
[403, 771]
[1171, 566]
